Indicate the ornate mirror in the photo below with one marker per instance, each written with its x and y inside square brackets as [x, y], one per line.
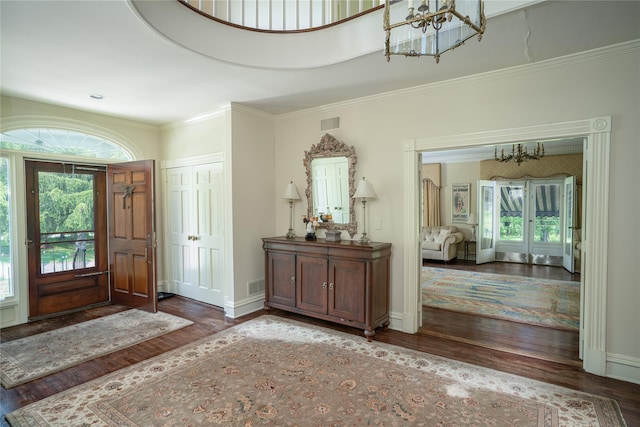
[330, 167]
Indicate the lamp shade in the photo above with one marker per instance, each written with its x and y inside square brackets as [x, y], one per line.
[473, 219]
[291, 193]
[364, 190]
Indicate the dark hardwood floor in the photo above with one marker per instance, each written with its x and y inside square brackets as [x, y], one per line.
[209, 320]
[509, 268]
[518, 338]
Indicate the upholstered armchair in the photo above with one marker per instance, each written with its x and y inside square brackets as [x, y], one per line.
[441, 243]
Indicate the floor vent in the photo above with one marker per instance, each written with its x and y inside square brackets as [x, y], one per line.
[330, 124]
[256, 287]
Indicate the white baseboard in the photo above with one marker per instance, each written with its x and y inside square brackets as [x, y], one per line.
[235, 309]
[396, 321]
[164, 286]
[624, 368]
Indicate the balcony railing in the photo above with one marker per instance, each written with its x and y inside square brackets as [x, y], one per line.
[282, 15]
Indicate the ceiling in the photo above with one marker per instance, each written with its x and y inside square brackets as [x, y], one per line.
[61, 52]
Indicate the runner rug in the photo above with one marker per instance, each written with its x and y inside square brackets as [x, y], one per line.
[551, 303]
[37, 356]
[278, 372]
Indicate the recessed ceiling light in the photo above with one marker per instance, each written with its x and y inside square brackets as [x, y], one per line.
[96, 96]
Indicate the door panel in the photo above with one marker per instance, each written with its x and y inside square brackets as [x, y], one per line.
[486, 249]
[66, 236]
[130, 188]
[282, 279]
[570, 217]
[311, 284]
[347, 290]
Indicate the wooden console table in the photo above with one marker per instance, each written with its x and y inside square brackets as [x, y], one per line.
[343, 282]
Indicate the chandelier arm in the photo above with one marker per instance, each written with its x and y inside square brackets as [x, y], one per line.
[468, 21]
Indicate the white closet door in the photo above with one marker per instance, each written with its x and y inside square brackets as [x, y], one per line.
[195, 226]
[208, 234]
[179, 206]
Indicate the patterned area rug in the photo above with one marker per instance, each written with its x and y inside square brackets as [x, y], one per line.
[37, 356]
[551, 303]
[278, 372]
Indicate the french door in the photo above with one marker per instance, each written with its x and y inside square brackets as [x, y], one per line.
[486, 245]
[71, 211]
[532, 224]
[570, 218]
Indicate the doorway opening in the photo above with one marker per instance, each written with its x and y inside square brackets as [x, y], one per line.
[526, 222]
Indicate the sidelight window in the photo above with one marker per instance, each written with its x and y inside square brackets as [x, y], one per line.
[6, 253]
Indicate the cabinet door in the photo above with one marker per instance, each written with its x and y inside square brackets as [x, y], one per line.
[282, 279]
[312, 286]
[347, 290]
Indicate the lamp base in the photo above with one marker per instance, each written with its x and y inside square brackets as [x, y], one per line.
[290, 234]
[364, 240]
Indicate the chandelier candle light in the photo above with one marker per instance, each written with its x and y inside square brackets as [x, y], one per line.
[364, 192]
[519, 154]
[292, 195]
[435, 27]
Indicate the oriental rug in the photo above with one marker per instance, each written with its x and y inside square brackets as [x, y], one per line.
[279, 372]
[542, 302]
[37, 356]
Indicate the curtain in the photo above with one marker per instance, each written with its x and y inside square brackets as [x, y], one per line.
[431, 214]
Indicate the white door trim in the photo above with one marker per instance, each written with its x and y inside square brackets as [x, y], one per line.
[595, 241]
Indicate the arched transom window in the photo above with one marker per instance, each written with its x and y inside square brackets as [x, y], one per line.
[62, 142]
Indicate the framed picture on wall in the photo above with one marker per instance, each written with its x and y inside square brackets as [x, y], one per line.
[460, 194]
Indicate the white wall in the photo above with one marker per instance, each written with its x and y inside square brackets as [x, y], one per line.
[577, 88]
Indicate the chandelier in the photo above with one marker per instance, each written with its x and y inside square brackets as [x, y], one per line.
[435, 27]
[519, 154]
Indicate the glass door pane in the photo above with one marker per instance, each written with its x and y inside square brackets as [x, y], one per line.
[67, 229]
[547, 213]
[511, 212]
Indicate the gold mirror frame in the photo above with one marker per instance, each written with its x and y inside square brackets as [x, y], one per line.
[331, 147]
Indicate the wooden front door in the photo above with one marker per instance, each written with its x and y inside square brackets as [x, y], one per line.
[66, 237]
[73, 261]
[132, 242]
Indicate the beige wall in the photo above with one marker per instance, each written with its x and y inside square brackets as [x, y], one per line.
[458, 173]
[255, 195]
[579, 88]
[190, 139]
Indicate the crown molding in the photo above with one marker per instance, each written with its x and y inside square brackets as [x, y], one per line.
[576, 58]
